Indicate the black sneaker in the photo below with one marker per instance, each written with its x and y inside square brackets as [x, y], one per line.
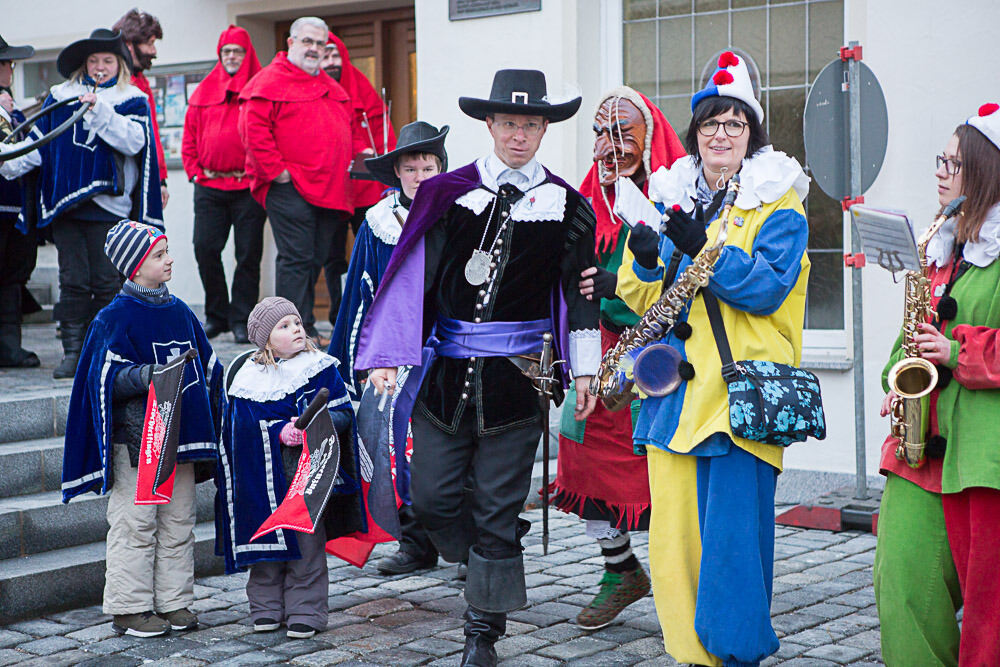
[265, 625]
[300, 631]
[403, 562]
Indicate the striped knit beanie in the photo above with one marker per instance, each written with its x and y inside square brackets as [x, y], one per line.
[129, 243]
[265, 316]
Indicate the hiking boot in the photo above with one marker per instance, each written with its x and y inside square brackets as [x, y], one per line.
[300, 631]
[618, 590]
[180, 619]
[146, 624]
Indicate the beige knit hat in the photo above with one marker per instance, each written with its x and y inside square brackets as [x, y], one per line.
[265, 316]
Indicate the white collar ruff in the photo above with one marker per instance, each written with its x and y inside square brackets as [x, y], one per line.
[764, 178]
[382, 220]
[980, 253]
[541, 202]
[260, 382]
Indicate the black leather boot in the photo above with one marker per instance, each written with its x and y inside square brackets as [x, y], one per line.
[12, 355]
[482, 630]
[72, 333]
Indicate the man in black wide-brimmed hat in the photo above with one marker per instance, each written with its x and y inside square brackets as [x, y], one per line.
[487, 264]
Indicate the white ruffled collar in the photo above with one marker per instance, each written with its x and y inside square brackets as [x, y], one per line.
[260, 382]
[113, 95]
[541, 202]
[382, 220]
[765, 177]
[980, 253]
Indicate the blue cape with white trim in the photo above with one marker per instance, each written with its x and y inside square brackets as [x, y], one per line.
[126, 332]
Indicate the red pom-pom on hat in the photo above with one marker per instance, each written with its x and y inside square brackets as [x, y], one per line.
[728, 59]
[988, 109]
[722, 77]
[676, 207]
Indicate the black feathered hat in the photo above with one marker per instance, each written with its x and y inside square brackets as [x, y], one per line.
[9, 52]
[519, 91]
[417, 137]
[101, 40]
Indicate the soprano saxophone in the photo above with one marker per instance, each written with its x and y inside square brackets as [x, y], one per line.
[610, 382]
[913, 377]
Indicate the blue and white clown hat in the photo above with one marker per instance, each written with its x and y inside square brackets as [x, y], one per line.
[732, 79]
[987, 121]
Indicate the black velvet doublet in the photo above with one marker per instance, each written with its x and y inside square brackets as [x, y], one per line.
[535, 256]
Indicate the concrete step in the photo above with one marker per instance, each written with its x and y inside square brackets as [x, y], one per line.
[39, 522]
[29, 466]
[74, 577]
[30, 415]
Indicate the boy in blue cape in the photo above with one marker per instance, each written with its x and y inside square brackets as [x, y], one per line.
[150, 548]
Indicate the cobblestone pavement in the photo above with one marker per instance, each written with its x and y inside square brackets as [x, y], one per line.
[824, 612]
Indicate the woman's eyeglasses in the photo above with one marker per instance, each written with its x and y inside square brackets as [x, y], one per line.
[732, 127]
[951, 165]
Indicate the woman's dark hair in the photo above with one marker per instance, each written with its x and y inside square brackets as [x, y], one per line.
[980, 180]
[713, 106]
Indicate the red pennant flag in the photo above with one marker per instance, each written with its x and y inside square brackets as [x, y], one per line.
[315, 476]
[158, 450]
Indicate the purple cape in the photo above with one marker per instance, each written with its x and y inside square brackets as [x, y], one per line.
[395, 329]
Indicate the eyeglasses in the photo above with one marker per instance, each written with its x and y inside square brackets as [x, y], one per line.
[951, 165]
[508, 127]
[232, 51]
[309, 42]
[732, 127]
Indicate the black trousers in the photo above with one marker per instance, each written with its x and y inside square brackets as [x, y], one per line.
[215, 213]
[18, 252]
[302, 235]
[337, 260]
[88, 280]
[499, 470]
[414, 540]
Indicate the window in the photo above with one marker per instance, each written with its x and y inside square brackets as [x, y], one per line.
[670, 47]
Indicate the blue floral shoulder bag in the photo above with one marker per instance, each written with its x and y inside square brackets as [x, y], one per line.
[773, 403]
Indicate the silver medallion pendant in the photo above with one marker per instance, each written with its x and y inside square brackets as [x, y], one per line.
[477, 269]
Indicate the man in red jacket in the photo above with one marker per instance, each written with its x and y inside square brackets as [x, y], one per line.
[295, 122]
[370, 114]
[140, 31]
[215, 161]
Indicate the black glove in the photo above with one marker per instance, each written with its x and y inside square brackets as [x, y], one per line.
[605, 283]
[687, 233]
[644, 243]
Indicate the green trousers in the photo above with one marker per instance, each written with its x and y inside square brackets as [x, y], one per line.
[916, 585]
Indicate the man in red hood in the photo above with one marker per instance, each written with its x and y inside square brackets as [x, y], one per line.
[215, 161]
[296, 125]
[371, 115]
[140, 31]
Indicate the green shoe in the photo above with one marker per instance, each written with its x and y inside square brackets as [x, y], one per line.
[618, 590]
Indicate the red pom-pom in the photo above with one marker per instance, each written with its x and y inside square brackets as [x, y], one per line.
[676, 207]
[722, 77]
[988, 109]
[728, 59]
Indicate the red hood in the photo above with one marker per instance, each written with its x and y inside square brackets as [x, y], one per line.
[213, 89]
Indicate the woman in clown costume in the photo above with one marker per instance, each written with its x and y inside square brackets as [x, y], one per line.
[939, 524]
[711, 542]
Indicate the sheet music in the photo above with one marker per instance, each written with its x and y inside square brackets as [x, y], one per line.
[886, 237]
[632, 206]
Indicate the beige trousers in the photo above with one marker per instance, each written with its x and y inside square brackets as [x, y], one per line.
[150, 557]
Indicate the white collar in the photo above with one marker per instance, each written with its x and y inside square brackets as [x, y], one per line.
[980, 253]
[495, 173]
[765, 177]
[546, 201]
[382, 220]
[260, 382]
[112, 95]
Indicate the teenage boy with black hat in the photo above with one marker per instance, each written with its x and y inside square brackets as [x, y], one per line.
[419, 155]
[486, 255]
[18, 249]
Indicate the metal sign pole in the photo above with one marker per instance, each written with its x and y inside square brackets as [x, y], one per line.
[857, 311]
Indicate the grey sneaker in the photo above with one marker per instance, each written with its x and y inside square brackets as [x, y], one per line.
[146, 624]
[180, 619]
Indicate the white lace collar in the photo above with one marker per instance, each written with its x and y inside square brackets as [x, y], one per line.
[382, 220]
[259, 382]
[764, 178]
[542, 202]
[980, 253]
[113, 95]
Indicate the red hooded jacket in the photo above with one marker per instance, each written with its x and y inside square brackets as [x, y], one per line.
[140, 81]
[368, 111]
[211, 136]
[299, 122]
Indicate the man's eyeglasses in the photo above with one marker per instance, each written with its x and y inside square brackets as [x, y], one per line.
[530, 129]
[234, 51]
[732, 127]
[308, 42]
[951, 165]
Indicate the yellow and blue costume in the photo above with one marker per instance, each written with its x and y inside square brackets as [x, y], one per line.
[711, 538]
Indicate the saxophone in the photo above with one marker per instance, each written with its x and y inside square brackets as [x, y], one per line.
[913, 377]
[610, 382]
